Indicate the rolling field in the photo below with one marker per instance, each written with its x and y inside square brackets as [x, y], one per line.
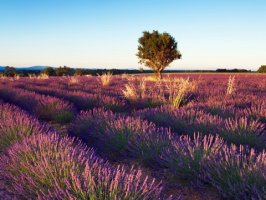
[187, 136]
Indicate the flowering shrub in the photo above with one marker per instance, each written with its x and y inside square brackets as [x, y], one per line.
[186, 156]
[238, 173]
[60, 168]
[118, 136]
[244, 131]
[15, 125]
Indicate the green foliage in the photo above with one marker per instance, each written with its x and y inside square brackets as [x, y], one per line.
[79, 72]
[64, 71]
[157, 50]
[49, 71]
[262, 69]
[63, 117]
[10, 71]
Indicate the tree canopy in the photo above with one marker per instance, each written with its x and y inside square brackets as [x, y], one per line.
[262, 69]
[157, 50]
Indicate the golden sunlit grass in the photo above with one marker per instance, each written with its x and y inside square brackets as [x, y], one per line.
[168, 90]
[43, 76]
[73, 80]
[230, 85]
[32, 76]
[105, 78]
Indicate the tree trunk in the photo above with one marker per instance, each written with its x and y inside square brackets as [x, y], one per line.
[159, 75]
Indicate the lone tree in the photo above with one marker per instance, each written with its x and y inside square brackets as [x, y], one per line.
[157, 50]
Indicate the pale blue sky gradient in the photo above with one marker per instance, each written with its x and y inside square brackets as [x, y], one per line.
[100, 33]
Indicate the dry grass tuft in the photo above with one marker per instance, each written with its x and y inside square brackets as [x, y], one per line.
[32, 76]
[105, 78]
[73, 80]
[135, 91]
[130, 92]
[43, 76]
[177, 88]
[230, 85]
[2, 76]
[17, 77]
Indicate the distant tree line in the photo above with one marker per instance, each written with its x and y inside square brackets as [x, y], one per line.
[233, 70]
[68, 71]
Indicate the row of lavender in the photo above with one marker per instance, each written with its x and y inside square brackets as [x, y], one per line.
[35, 163]
[237, 172]
[237, 126]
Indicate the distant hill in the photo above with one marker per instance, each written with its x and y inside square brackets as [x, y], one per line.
[33, 68]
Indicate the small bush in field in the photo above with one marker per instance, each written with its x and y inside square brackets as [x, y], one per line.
[54, 109]
[60, 168]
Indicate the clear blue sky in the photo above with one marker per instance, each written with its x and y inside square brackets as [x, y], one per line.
[92, 33]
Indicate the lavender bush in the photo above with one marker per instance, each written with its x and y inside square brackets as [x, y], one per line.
[238, 173]
[186, 156]
[15, 125]
[60, 168]
[117, 135]
[244, 131]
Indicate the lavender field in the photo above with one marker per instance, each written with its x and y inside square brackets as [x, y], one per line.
[187, 136]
